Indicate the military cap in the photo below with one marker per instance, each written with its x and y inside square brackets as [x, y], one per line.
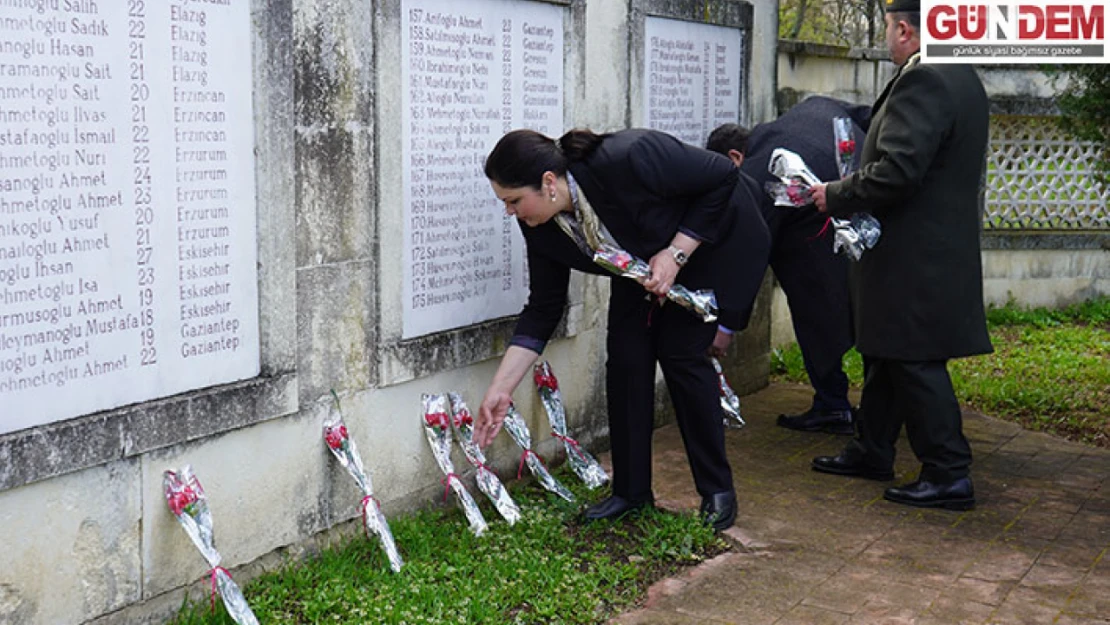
[902, 6]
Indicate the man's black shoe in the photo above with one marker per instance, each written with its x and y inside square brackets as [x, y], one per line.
[719, 510]
[954, 495]
[852, 466]
[614, 508]
[812, 420]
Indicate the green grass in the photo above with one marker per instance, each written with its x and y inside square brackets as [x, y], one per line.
[1050, 370]
[548, 568]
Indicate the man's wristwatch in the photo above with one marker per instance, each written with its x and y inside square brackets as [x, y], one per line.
[680, 257]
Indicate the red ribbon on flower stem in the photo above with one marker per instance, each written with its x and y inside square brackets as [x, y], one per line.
[573, 443]
[447, 484]
[523, 457]
[821, 233]
[362, 507]
[212, 596]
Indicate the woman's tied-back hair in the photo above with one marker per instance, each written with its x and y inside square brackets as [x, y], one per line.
[522, 156]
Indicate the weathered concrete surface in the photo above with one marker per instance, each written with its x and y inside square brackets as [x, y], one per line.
[815, 548]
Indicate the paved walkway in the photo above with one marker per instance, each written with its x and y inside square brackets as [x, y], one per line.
[817, 549]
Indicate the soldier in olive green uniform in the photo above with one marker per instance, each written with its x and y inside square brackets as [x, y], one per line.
[918, 294]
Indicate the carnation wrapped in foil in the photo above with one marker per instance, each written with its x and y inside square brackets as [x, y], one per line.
[343, 448]
[845, 146]
[584, 465]
[437, 429]
[789, 195]
[488, 482]
[187, 501]
[595, 240]
[518, 429]
[702, 302]
[730, 403]
[853, 236]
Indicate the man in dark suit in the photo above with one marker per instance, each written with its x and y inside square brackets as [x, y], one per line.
[918, 294]
[813, 277]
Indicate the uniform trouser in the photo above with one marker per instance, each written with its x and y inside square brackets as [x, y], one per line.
[815, 281]
[920, 395]
[640, 334]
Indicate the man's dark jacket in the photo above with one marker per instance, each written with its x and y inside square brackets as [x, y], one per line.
[645, 186]
[918, 294]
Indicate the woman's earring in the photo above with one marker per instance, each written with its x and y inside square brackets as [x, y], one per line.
[552, 196]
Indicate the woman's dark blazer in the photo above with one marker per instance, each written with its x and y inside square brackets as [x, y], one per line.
[645, 186]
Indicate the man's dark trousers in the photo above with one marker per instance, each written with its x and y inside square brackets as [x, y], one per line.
[918, 394]
[815, 282]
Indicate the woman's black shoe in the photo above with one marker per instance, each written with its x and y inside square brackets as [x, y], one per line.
[614, 508]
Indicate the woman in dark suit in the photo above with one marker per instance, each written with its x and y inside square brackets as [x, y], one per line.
[677, 207]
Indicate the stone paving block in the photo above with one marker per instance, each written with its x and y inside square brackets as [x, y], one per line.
[1000, 563]
[1025, 606]
[1070, 555]
[952, 610]
[979, 591]
[1093, 595]
[809, 615]
[879, 613]
[1071, 619]
[847, 591]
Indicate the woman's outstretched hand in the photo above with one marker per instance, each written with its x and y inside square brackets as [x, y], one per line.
[491, 414]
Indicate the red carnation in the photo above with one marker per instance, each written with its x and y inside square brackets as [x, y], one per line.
[463, 418]
[180, 500]
[436, 420]
[847, 146]
[335, 436]
[545, 380]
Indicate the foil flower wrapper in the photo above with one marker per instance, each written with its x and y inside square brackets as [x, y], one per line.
[790, 195]
[437, 429]
[463, 424]
[730, 403]
[343, 448]
[584, 465]
[855, 235]
[518, 429]
[845, 145]
[188, 503]
[594, 239]
[702, 302]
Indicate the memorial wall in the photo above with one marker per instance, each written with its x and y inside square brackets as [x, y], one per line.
[127, 203]
[470, 73]
[692, 77]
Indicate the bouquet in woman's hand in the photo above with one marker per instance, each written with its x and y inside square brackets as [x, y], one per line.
[437, 428]
[730, 403]
[594, 239]
[584, 465]
[518, 429]
[488, 482]
[845, 146]
[344, 450]
[188, 503]
[702, 302]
